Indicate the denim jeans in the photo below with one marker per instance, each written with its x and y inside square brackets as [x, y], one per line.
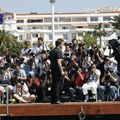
[107, 94]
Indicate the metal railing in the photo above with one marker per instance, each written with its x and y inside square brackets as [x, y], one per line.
[7, 100]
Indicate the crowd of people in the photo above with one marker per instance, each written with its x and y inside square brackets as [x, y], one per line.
[70, 71]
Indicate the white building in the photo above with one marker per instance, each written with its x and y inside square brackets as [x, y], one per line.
[67, 25]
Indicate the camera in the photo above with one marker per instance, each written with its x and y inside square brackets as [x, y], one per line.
[66, 55]
[17, 79]
[22, 82]
[108, 71]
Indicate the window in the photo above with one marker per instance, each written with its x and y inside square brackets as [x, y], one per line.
[20, 37]
[9, 25]
[79, 26]
[20, 21]
[94, 19]
[9, 17]
[106, 18]
[106, 26]
[79, 19]
[50, 19]
[35, 21]
[56, 27]
[35, 28]
[40, 27]
[80, 34]
[64, 27]
[64, 19]
[49, 27]
[28, 36]
[35, 35]
[20, 28]
[73, 35]
[50, 36]
[47, 19]
[65, 36]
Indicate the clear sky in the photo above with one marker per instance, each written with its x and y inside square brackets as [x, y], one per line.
[27, 6]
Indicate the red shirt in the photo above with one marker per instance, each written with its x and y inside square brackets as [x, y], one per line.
[78, 81]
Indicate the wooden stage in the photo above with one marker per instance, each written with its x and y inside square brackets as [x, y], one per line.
[65, 109]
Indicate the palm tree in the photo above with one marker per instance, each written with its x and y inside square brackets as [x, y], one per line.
[8, 43]
[99, 32]
[116, 22]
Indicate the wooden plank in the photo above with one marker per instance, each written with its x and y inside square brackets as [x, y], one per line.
[73, 108]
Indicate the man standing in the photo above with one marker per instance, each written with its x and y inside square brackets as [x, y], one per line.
[39, 48]
[56, 71]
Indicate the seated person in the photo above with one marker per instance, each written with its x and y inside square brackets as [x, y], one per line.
[21, 92]
[111, 63]
[109, 86]
[78, 79]
[92, 82]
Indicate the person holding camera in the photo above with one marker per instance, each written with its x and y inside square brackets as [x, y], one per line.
[39, 47]
[109, 86]
[111, 64]
[26, 48]
[20, 89]
[92, 83]
[19, 74]
[21, 92]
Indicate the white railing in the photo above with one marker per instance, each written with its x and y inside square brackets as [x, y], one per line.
[7, 100]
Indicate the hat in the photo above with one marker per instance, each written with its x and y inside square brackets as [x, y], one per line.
[112, 60]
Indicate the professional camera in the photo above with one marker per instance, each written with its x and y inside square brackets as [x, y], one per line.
[66, 55]
[107, 78]
[22, 82]
[17, 79]
[108, 71]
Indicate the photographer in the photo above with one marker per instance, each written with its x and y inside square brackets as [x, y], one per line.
[71, 64]
[20, 89]
[77, 80]
[111, 63]
[92, 83]
[115, 45]
[21, 92]
[109, 86]
[19, 74]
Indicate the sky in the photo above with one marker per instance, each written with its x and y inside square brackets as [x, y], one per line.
[44, 6]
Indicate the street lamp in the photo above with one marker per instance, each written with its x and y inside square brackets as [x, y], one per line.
[53, 27]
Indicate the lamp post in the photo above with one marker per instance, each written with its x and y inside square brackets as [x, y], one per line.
[53, 27]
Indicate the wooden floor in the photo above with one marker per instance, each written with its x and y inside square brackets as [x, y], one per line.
[65, 109]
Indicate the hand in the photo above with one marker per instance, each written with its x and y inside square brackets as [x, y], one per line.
[93, 70]
[62, 74]
[66, 77]
[97, 54]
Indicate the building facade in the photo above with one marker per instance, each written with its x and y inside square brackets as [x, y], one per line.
[67, 25]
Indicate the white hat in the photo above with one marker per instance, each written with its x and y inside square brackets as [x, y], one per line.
[112, 60]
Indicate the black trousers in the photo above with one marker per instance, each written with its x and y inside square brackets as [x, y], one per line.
[56, 87]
